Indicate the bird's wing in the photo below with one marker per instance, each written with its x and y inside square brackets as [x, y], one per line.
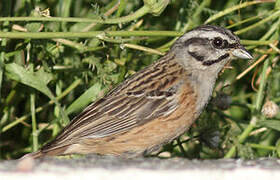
[113, 115]
[148, 94]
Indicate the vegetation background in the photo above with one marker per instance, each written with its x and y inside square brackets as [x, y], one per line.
[51, 68]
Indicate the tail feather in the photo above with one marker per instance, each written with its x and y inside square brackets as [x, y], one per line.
[34, 155]
[46, 152]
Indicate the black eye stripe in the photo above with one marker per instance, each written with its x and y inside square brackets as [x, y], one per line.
[223, 44]
[210, 62]
[232, 46]
[196, 56]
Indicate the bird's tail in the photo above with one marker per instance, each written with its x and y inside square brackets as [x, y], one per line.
[34, 155]
[46, 152]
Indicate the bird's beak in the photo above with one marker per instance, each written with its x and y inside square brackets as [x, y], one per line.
[241, 53]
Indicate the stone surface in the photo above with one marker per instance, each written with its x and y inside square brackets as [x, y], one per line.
[98, 167]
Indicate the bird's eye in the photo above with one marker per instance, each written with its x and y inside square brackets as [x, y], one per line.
[217, 42]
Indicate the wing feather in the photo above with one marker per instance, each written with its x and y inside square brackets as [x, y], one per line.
[125, 107]
[134, 110]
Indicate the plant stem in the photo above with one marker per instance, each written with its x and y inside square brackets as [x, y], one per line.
[139, 13]
[269, 18]
[258, 146]
[47, 35]
[34, 124]
[260, 93]
[231, 9]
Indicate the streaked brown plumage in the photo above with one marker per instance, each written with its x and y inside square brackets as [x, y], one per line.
[154, 106]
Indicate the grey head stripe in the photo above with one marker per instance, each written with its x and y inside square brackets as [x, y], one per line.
[217, 29]
[202, 41]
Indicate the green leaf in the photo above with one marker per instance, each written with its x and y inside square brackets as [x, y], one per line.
[33, 27]
[273, 124]
[87, 97]
[37, 80]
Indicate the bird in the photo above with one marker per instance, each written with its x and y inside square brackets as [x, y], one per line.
[155, 105]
